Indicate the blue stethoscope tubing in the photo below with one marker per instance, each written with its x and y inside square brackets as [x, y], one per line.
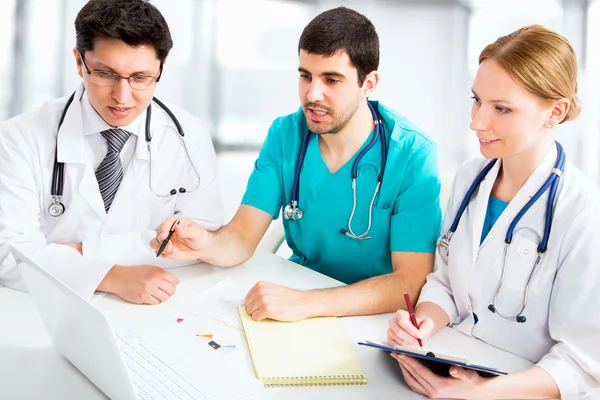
[552, 184]
[293, 212]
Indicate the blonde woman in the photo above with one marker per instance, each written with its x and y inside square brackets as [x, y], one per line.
[517, 266]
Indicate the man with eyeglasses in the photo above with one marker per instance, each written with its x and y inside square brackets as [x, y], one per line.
[85, 181]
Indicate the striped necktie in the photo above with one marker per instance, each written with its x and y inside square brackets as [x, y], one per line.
[110, 171]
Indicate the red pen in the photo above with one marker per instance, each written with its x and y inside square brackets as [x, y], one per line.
[411, 312]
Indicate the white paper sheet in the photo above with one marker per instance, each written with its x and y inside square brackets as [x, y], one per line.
[208, 334]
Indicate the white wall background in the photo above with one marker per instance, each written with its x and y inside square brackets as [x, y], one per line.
[234, 64]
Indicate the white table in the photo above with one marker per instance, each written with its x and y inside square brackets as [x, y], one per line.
[30, 368]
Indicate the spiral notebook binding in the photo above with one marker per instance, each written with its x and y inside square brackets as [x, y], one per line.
[337, 380]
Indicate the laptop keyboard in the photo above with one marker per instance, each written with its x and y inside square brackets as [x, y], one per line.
[154, 380]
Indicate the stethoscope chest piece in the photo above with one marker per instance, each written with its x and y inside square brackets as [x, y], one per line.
[57, 208]
[292, 211]
[444, 242]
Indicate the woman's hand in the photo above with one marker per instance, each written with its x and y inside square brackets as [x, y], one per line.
[461, 384]
[402, 332]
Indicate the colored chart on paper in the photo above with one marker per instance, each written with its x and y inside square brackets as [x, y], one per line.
[212, 316]
[208, 331]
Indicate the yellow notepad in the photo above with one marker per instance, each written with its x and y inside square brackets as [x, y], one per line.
[313, 352]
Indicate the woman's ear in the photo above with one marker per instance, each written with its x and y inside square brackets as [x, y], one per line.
[559, 111]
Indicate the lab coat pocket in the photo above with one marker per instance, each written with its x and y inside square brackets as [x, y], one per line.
[521, 256]
[156, 210]
[544, 274]
[519, 263]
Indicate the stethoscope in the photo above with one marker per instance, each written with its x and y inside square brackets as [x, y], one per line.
[57, 208]
[552, 183]
[293, 212]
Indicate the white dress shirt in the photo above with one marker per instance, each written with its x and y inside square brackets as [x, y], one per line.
[95, 143]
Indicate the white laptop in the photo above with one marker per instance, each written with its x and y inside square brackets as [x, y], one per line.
[121, 364]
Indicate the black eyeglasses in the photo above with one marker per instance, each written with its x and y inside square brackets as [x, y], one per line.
[107, 78]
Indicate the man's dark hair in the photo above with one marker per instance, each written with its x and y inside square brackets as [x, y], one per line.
[136, 22]
[343, 29]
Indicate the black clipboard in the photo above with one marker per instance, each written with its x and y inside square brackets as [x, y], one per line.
[438, 364]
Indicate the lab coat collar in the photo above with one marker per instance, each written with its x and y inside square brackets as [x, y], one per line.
[157, 119]
[69, 142]
[539, 175]
[71, 150]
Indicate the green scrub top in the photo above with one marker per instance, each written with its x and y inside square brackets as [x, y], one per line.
[406, 213]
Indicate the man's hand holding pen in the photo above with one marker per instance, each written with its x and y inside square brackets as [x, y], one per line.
[181, 240]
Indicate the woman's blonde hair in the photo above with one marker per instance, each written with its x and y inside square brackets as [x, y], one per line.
[540, 60]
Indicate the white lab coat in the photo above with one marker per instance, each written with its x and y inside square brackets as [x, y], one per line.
[27, 148]
[562, 330]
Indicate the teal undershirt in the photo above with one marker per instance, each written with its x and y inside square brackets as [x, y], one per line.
[495, 207]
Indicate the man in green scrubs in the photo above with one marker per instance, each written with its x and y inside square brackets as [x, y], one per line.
[338, 61]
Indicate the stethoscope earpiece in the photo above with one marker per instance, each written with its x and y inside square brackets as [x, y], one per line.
[519, 318]
[353, 236]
